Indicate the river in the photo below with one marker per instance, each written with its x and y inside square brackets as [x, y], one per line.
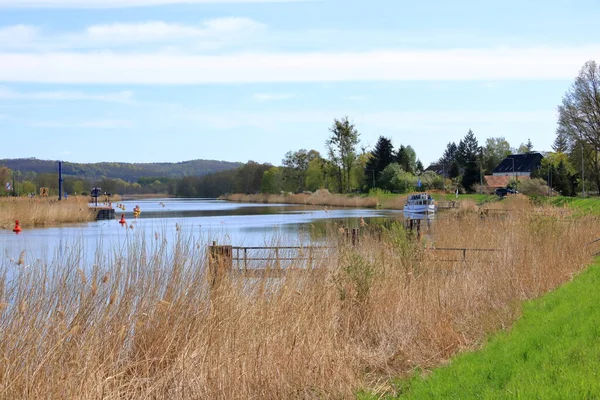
[203, 220]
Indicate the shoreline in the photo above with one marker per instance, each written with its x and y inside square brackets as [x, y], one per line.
[318, 199]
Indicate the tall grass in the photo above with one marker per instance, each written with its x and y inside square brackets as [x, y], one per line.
[318, 198]
[43, 212]
[147, 325]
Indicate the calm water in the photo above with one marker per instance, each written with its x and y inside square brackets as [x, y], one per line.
[204, 220]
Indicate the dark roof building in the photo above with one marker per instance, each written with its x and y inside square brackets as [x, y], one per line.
[519, 164]
[438, 169]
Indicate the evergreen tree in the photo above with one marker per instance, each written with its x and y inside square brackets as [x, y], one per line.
[562, 181]
[467, 150]
[381, 156]
[407, 158]
[449, 161]
[420, 167]
[529, 146]
[561, 143]
[471, 175]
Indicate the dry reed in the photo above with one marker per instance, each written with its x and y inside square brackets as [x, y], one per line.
[144, 325]
[43, 212]
[319, 198]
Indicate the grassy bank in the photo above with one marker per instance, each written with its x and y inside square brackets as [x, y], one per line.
[384, 200]
[143, 325]
[43, 212]
[316, 199]
[552, 352]
[590, 205]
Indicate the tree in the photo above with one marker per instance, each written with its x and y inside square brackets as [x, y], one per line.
[579, 117]
[248, 178]
[420, 168]
[495, 150]
[315, 174]
[561, 143]
[407, 158]
[558, 172]
[271, 181]
[381, 156]
[341, 147]
[525, 147]
[467, 149]
[295, 166]
[449, 160]
[529, 145]
[5, 177]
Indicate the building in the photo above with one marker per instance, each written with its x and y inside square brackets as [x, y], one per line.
[519, 165]
[438, 169]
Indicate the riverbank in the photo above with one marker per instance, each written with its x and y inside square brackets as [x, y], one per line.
[148, 323]
[319, 198]
[387, 201]
[146, 196]
[550, 353]
[42, 212]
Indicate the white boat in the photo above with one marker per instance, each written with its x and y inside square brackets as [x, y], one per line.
[420, 203]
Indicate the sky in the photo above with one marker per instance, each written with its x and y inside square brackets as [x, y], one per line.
[239, 80]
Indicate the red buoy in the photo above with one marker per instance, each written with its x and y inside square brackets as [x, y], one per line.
[122, 221]
[17, 228]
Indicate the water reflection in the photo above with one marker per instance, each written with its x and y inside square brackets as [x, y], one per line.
[204, 220]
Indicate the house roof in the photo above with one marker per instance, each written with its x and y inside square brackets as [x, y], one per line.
[437, 168]
[501, 181]
[525, 162]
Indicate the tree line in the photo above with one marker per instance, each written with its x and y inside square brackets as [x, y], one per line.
[572, 167]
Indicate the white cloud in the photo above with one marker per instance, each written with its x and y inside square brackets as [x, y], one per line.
[18, 36]
[411, 120]
[398, 65]
[210, 34]
[116, 97]
[121, 3]
[158, 31]
[272, 96]
[93, 124]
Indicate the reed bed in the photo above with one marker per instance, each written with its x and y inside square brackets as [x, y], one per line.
[146, 324]
[319, 198]
[43, 212]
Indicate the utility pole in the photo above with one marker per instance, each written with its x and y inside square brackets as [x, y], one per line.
[60, 181]
[373, 173]
[549, 180]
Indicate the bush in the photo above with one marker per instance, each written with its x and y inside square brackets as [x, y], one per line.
[533, 187]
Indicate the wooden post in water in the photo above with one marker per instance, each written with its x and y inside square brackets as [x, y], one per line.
[354, 236]
[219, 264]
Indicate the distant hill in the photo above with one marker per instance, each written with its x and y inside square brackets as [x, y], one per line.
[129, 172]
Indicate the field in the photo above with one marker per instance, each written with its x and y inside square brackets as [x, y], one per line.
[552, 352]
[41, 212]
[147, 324]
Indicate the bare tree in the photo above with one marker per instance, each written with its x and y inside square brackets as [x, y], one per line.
[579, 117]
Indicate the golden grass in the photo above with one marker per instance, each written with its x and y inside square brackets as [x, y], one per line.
[319, 198]
[43, 212]
[143, 325]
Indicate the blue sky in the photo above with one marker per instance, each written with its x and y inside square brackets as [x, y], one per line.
[239, 80]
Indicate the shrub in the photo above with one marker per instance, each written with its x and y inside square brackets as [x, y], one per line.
[533, 187]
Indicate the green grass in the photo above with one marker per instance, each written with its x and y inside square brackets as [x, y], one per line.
[590, 205]
[552, 352]
[477, 198]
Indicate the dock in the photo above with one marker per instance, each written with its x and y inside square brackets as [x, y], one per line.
[103, 213]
